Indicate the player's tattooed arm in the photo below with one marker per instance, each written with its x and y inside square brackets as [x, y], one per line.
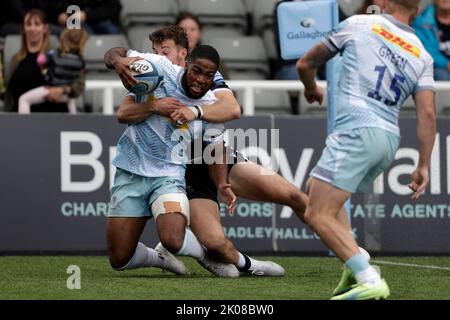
[307, 66]
[307, 70]
[132, 112]
[116, 59]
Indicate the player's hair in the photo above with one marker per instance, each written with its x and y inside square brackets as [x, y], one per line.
[39, 15]
[73, 41]
[205, 52]
[409, 5]
[172, 32]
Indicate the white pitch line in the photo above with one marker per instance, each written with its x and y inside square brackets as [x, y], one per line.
[401, 264]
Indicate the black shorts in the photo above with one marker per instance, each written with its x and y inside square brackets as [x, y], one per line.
[198, 182]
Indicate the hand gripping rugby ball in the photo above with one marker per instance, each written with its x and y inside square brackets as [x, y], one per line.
[147, 76]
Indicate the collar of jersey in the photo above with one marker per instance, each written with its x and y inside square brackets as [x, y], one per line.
[398, 23]
[179, 76]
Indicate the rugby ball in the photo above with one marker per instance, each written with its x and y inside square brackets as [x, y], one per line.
[147, 76]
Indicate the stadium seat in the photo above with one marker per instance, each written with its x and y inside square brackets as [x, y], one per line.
[263, 24]
[219, 12]
[96, 48]
[242, 54]
[138, 36]
[263, 14]
[215, 32]
[249, 5]
[349, 7]
[12, 46]
[269, 101]
[269, 39]
[148, 12]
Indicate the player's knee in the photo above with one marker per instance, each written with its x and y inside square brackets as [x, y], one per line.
[119, 258]
[216, 244]
[172, 241]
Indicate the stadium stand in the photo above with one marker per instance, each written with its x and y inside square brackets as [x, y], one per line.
[262, 11]
[245, 57]
[269, 102]
[12, 46]
[148, 12]
[242, 30]
[349, 7]
[263, 24]
[97, 46]
[138, 36]
[95, 68]
[210, 33]
[230, 14]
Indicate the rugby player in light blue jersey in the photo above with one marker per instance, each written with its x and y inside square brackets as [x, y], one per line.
[151, 162]
[201, 189]
[383, 64]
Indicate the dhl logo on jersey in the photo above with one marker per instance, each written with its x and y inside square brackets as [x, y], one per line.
[392, 38]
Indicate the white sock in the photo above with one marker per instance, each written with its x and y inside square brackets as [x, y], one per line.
[369, 276]
[364, 253]
[143, 257]
[191, 247]
[241, 262]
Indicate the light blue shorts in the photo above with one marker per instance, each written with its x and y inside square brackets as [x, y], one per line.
[353, 159]
[132, 194]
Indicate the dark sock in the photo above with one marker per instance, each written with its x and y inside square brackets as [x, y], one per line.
[248, 264]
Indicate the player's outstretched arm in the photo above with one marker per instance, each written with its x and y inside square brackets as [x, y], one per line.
[116, 59]
[426, 133]
[132, 112]
[307, 70]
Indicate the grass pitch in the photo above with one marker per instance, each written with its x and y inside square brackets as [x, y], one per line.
[45, 277]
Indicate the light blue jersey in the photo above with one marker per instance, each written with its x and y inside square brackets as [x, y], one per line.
[153, 148]
[383, 64]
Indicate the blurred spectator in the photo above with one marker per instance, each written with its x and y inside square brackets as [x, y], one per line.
[433, 28]
[193, 28]
[25, 73]
[97, 16]
[63, 69]
[13, 11]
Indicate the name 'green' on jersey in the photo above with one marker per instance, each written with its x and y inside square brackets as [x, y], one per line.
[152, 148]
[383, 63]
